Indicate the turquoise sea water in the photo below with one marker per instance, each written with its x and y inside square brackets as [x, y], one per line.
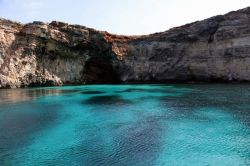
[126, 125]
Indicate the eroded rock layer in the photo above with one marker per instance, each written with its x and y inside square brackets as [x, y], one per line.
[40, 54]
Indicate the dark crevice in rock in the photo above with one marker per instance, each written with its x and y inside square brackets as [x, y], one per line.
[214, 29]
[99, 69]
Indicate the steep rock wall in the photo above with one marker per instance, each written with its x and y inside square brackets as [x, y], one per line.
[215, 49]
[40, 54]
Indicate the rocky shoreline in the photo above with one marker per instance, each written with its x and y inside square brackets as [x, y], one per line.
[52, 54]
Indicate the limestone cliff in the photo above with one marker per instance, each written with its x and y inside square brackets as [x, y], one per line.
[41, 54]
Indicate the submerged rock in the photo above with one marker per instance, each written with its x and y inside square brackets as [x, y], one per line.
[41, 54]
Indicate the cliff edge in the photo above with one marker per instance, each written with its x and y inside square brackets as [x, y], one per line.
[41, 54]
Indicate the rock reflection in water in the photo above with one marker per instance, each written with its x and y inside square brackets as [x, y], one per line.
[20, 95]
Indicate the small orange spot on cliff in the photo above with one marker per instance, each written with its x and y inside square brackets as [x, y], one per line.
[119, 38]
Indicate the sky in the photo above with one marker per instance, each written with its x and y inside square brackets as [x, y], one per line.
[128, 17]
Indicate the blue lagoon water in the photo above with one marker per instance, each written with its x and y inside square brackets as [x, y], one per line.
[126, 125]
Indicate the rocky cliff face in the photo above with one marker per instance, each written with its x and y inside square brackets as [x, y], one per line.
[40, 54]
